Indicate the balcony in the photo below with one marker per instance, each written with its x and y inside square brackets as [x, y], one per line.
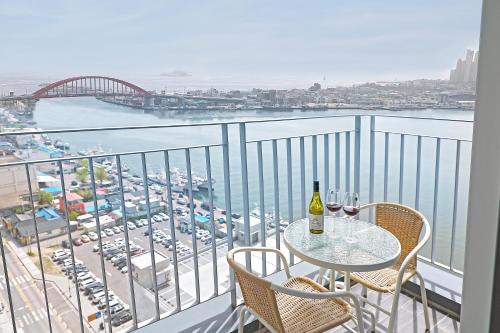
[260, 172]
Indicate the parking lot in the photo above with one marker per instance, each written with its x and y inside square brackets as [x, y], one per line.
[118, 282]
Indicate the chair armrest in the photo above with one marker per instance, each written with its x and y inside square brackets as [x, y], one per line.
[231, 254]
[415, 251]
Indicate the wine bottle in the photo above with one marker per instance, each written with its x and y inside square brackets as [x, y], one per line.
[316, 211]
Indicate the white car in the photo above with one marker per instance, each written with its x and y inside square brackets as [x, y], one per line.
[109, 232]
[93, 236]
[131, 226]
[116, 230]
[124, 269]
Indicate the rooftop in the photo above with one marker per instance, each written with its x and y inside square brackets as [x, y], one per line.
[144, 260]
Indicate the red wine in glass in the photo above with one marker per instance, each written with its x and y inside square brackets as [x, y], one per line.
[351, 210]
[333, 206]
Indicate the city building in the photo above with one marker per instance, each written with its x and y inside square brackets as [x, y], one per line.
[466, 69]
[75, 203]
[13, 182]
[142, 270]
[254, 229]
[48, 222]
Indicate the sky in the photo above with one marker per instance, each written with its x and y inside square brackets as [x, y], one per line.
[233, 43]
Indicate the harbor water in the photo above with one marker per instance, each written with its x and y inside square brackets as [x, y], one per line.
[91, 113]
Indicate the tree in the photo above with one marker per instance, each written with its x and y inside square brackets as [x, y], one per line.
[86, 195]
[45, 198]
[101, 174]
[73, 215]
[82, 174]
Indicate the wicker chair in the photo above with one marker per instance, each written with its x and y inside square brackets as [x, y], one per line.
[300, 305]
[406, 224]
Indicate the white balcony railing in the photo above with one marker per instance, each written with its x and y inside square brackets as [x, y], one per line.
[421, 162]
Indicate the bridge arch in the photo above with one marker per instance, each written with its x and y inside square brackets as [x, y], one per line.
[90, 86]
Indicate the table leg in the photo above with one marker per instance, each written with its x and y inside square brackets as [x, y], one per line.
[347, 281]
[321, 274]
[332, 280]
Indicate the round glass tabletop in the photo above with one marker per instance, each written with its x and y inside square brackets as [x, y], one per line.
[345, 245]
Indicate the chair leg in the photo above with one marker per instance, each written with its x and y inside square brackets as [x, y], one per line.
[394, 310]
[364, 294]
[359, 317]
[423, 295]
[241, 325]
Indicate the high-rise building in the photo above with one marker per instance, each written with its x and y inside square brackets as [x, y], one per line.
[466, 69]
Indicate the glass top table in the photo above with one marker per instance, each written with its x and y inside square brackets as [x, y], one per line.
[348, 245]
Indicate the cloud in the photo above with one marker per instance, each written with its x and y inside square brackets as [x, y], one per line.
[175, 73]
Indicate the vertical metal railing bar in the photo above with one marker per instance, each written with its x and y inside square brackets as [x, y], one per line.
[289, 186]
[314, 144]
[263, 226]
[98, 225]
[7, 284]
[371, 193]
[244, 189]
[386, 165]
[302, 177]
[436, 193]
[172, 230]
[42, 270]
[276, 201]
[150, 230]
[227, 202]
[357, 153]
[193, 224]
[326, 155]
[70, 239]
[417, 176]
[127, 239]
[208, 167]
[348, 161]
[337, 160]
[401, 167]
[455, 203]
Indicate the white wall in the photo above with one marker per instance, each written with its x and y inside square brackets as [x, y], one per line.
[484, 195]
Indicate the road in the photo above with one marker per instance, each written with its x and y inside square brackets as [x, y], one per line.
[28, 301]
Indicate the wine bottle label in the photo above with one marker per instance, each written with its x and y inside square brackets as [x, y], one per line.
[316, 222]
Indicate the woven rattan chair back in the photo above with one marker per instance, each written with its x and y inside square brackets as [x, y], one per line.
[403, 222]
[258, 295]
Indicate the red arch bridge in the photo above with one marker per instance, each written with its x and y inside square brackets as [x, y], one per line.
[89, 86]
[103, 86]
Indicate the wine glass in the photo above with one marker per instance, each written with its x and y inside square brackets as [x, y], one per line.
[351, 208]
[334, 201]
[351, 204]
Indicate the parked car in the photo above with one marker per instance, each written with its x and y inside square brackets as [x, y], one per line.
[65, 244]
[109, 232]
[89, 290]
[60, 252]
[130, 225]
[93, 236]
[124, 270]
[121, 318]
[116, 230]
[85, 238]
[77, 242]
